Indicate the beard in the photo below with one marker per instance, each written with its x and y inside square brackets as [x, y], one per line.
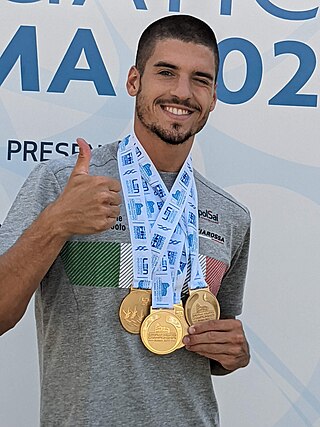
[174, 135]
[171, 136]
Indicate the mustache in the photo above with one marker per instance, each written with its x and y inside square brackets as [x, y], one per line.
[182, 103]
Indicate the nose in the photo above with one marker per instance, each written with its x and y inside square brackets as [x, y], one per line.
[181, 88]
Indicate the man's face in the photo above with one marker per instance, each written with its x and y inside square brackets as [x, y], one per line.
[176, 92]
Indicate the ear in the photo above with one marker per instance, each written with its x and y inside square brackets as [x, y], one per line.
[133, 81]
[214, 99]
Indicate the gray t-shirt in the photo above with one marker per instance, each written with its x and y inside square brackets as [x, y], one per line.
[94, 373]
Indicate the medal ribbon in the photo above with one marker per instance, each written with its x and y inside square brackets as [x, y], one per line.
[163, 226]
[197, 280]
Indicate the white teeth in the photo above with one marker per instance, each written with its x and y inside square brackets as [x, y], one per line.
[177, 111]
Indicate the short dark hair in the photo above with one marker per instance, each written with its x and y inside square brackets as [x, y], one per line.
[180, 27]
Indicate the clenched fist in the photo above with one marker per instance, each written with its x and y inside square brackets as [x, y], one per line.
[88, 204]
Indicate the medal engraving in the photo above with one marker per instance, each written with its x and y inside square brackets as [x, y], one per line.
[201, 305]
[161, 332]
[134, 308]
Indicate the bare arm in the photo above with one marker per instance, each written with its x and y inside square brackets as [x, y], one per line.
[88, 204]
[21, 273]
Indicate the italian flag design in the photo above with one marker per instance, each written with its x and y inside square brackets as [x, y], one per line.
[109, 265]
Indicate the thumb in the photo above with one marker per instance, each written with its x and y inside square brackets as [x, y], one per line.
[82, 165]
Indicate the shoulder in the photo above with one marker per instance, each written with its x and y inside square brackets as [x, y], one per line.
[207, 189]
[101, 157]
[210, 194]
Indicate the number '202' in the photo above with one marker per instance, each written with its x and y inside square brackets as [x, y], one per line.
[288, 95]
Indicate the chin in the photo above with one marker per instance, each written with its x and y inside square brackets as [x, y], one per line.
[171, 137]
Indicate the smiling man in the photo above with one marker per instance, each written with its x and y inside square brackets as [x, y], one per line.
[136, 303]
[174, 85]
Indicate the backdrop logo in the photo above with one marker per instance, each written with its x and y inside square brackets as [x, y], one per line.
[226, 9]
[274, 10]
[288, 94]
[24, 46]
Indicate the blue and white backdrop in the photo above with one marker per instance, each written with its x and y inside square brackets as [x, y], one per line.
[63, 66]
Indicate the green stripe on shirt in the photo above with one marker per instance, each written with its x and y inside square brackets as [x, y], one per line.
[94, 264]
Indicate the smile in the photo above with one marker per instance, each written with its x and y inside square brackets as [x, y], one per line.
[177, 111]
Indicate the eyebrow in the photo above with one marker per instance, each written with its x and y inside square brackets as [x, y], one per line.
[175, 67]
[166, 65]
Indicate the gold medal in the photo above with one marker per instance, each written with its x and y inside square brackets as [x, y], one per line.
[161, 331]
[201, 305]
[179, 312]
[134, 308]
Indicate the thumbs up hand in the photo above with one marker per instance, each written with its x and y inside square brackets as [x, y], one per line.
[88, 204]
[82, 165]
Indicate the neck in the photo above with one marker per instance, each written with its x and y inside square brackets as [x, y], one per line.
[165, 157]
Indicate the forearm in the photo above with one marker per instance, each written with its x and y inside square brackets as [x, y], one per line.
[25, 264]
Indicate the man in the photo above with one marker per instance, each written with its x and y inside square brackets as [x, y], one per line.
[67, 238]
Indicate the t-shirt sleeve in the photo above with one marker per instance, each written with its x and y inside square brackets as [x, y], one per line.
[231, 291]
[38, 191]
